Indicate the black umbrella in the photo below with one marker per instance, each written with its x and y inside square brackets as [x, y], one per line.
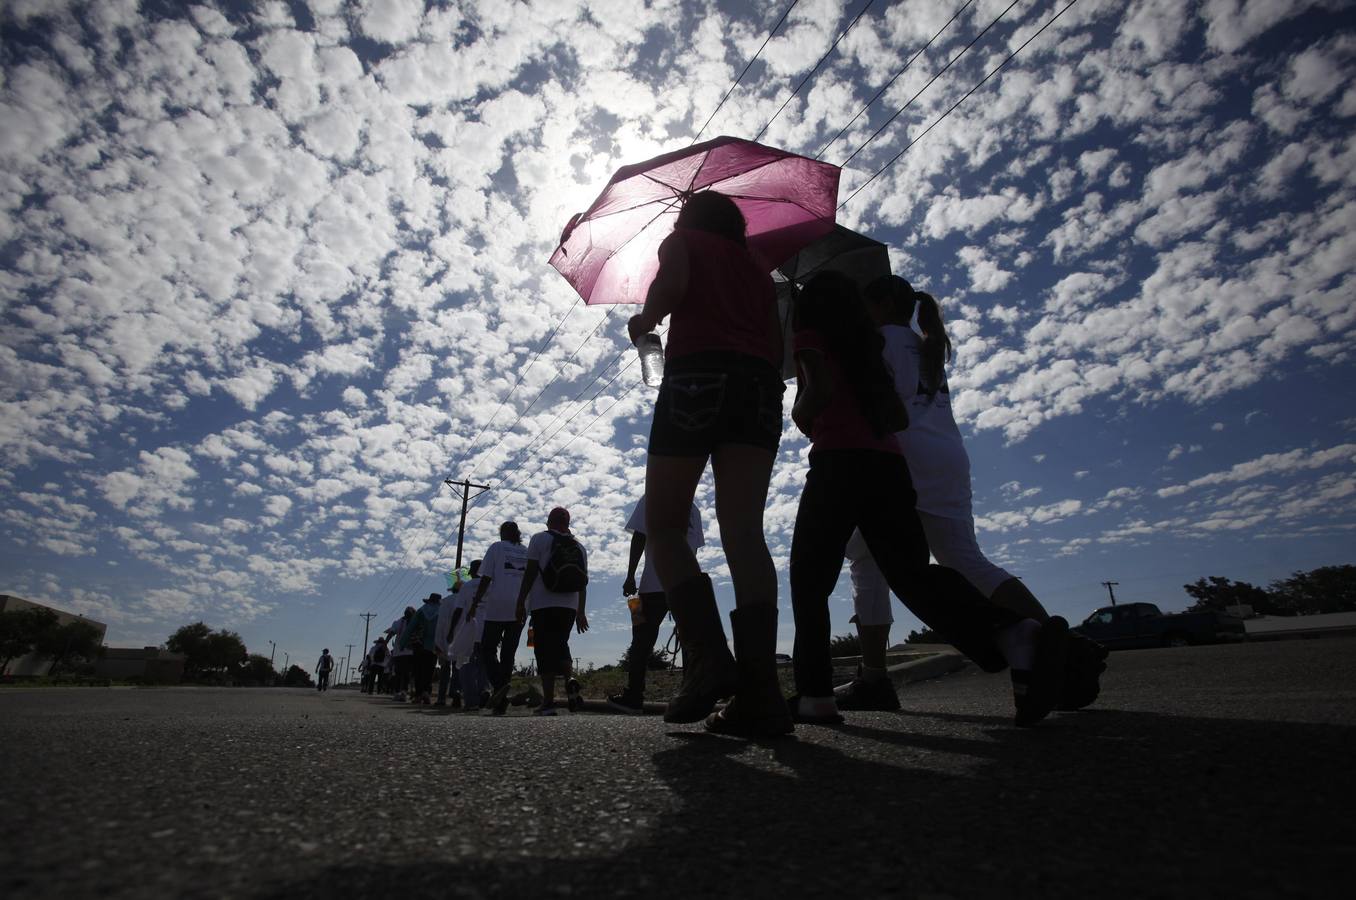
[842, 250]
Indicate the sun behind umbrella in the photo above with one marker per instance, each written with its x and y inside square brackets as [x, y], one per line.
[609, 252]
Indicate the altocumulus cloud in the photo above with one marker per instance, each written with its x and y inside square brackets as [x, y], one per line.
[269, 271]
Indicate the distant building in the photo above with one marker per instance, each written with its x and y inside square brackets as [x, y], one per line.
[36, 663]
[145, 664]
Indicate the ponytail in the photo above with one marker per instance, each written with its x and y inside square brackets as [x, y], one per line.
[936, 345]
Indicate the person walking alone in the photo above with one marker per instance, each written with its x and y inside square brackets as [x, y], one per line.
[323, 669]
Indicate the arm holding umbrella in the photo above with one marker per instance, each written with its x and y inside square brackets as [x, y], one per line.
[666, 291]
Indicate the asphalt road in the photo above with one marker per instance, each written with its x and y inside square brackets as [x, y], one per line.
[1216, 771]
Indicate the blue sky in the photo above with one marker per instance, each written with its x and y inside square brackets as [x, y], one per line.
[267, 270]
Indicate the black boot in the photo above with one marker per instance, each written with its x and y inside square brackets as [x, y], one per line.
[1084, 665]
[758, 708]
[708, 668]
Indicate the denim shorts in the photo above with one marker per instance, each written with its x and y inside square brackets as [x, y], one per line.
[710, 399]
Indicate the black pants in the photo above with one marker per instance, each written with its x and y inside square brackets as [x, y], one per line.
[653, 608]
[446, 669]
[403, 665]
[324, 680]
[498, 647]
[870, 490]
[424, 661]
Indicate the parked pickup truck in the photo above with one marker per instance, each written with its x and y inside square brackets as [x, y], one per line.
[1131, 625]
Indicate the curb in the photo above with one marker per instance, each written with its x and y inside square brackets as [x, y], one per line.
[934, 665]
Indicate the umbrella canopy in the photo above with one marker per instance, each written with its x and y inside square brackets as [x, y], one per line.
[609, 253]
[861, 258]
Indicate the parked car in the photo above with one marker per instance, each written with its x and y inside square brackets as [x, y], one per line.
[1131, 625]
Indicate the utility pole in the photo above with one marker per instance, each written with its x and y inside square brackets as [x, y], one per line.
[347, 659]
[1109, 585]
[465, 485]
[367, 620]
[286, 658]
[272, 648]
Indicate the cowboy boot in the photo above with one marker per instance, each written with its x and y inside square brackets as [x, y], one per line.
[758, 708]
[708, 669]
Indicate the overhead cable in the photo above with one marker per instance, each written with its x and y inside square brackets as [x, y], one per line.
[811, 73]
[745, 72]
[953, 106]
[893, 79]
[939, 74]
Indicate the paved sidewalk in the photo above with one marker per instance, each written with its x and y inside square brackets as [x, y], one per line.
[1211, 771]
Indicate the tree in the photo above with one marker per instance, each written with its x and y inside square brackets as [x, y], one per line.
[207, 651]
[845, 645]
[225, 651]
[191, 641]
[1220, 593]
[1327, 589]
[73, 640]
[924, 636]
[296, 676]
[22, 630]
[656, 663]
[257, 671]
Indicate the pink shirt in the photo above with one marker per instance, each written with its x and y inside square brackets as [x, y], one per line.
[730, 302]
[842, 425]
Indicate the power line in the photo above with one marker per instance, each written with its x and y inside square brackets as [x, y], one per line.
[601, 322]
[811, 73]
[938, 74]
[747, 66]
[892, 80]
[521, 375]
[953, 106]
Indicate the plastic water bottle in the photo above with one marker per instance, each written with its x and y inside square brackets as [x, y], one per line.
[651, 359]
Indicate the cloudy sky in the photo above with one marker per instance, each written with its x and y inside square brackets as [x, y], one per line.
[271, 272]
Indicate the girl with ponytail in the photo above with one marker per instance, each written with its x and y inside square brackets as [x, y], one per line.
[917, 350]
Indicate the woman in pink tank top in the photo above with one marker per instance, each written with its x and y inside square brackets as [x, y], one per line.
[721, 399]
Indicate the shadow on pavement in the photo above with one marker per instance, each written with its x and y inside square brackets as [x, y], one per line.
[1095, 805]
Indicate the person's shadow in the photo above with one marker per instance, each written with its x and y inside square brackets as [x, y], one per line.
[1099, 804]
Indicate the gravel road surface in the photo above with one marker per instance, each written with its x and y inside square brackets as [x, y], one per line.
[1210, 771]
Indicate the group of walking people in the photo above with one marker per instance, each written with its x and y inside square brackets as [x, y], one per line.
[887, 489]
[472, 634]
[888, 483]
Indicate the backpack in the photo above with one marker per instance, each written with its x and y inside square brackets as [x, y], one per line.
[379, 654]
[565, 569]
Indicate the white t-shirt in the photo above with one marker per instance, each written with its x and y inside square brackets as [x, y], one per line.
[503, 565]
[396, 629]
[539, 549]
[649, 580]
[461, 600]
[932, 443]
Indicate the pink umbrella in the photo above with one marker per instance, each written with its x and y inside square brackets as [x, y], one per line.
[609, 252]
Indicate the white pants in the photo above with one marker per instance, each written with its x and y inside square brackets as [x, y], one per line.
[953, 544]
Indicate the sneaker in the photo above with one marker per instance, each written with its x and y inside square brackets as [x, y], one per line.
[499, 695]
[862, 694]
[456, 701]
[500, 708]
[572, 698]
[813, 710]
[399, 697]
[546, 709]
[439, 702]
[626, 702]
[484, 698]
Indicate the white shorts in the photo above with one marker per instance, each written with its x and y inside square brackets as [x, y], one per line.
[953, 544]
